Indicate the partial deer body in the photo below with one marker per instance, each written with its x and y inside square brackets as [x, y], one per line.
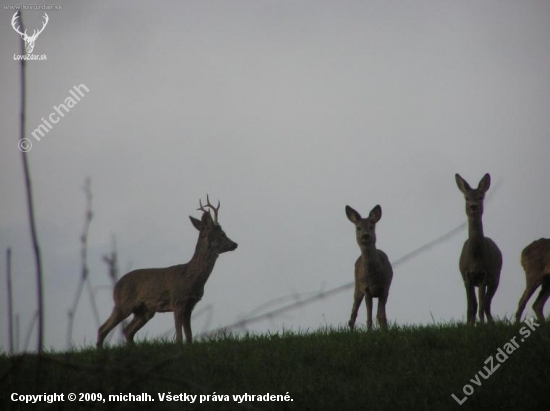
[481, 260]
[178, 288]
[373, 271]
[535, 259]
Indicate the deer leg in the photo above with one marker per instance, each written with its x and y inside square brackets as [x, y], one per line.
[178, 316]
[187, 325]
[538, 306]
[368, 302]
[115, 318]
[472, 303]
[489, 294]
[140, 319]
[357, 298]
[381, 313]
[529, 291]
[481, 308]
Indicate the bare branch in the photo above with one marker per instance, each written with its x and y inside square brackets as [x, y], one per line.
[30, 208]
[10, 300]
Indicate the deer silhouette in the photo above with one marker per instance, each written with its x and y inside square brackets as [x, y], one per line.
[535, 259]
[373, 271]
[481, 260]
[173, 289]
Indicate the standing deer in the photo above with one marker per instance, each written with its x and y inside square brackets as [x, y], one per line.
[535, 259]
[481, 260]
[177, 288]
[373, 271]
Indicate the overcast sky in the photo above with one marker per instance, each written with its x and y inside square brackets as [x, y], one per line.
[286, 111]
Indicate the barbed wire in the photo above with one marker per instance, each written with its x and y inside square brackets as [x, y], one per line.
[299, 301]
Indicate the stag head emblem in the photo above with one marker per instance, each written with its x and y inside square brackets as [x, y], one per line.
[29, 40]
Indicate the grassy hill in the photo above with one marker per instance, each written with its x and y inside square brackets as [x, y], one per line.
[406, 368]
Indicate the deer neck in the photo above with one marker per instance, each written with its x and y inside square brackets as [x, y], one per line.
[475, 228]
[202, 263]
[368, 254]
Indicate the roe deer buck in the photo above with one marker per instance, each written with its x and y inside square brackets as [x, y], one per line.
[535, 259]
[177, 288]
[373, 271]
[481, 260]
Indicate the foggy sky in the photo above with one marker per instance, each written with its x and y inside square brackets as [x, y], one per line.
[285, 111]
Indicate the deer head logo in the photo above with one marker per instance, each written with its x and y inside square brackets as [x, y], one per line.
[29, 40]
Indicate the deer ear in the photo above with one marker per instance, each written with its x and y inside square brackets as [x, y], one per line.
[485, 183]
[353, 215]
[376, 214]
[462, 184]
[197, 223]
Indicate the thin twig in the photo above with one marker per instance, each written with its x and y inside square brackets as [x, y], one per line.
[30, 207]
[29, 331]
[10, 300]
[17, 333]
[112, 262]
[84, 279]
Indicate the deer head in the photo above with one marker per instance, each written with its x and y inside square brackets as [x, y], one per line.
[211, 230]
[474, 196]
[29, 40]
[365, 227]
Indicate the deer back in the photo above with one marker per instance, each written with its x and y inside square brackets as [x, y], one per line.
[535, 258]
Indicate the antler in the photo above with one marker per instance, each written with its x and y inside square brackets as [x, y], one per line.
[215, 209]
[43, 26]
[15, 17]
[34, 33]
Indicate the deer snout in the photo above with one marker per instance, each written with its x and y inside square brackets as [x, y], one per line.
[229, 245]
[223, 246]
[474, 208]
[366, 238]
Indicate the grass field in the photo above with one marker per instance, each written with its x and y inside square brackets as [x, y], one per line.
[405, 368]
